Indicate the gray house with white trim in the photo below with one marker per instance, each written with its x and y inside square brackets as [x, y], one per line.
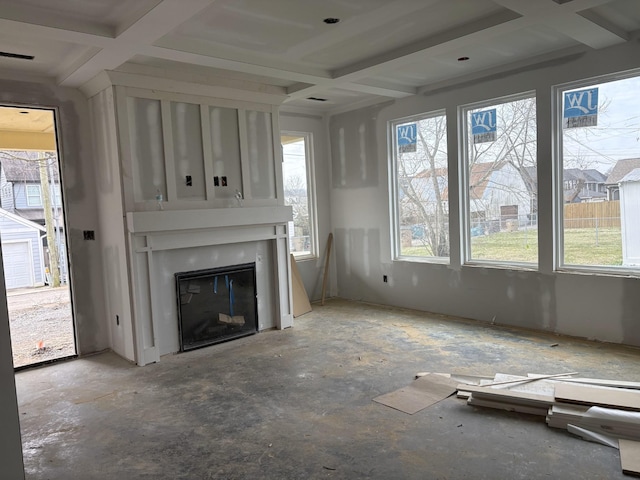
[22, 251]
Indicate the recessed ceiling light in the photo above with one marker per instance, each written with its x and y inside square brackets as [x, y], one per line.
[331, 20]
[463, 59]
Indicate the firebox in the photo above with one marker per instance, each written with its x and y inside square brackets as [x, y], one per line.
[216, 305]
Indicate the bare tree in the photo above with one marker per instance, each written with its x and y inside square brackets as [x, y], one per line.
[420, 176]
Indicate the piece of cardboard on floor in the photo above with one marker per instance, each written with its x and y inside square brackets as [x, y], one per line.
[630, 457]
[420, 394]
[301, 303]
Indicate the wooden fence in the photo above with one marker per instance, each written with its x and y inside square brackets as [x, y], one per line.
[592, 215]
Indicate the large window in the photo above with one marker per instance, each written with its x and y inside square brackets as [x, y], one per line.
[599, 164]
[421, 187]
[501, 181]
[299, 192]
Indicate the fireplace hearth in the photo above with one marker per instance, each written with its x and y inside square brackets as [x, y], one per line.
[216, 305]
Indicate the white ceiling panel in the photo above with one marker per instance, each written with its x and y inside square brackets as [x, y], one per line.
[497, 51]
[269, 27]
[623, 13]
[49, 55]
[102, 17]
[402, 29]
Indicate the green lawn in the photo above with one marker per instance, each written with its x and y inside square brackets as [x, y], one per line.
[582, 246]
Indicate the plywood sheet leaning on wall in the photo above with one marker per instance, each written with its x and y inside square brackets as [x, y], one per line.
[301, 303]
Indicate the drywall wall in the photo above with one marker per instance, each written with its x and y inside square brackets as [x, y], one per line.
[586, 305]
[111, 224]
[78, 187]
[10, 441]
[312, 270]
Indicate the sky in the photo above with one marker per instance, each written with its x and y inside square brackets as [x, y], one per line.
[617, 134]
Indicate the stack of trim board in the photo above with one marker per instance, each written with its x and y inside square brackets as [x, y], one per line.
[603, 411]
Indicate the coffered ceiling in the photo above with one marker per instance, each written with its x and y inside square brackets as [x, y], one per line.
[378, 49]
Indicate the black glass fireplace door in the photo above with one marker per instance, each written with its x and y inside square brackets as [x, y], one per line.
[216, 305]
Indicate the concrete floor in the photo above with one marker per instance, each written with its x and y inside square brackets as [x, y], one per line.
[296, 404]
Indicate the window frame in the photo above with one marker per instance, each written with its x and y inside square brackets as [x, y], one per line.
[394, 204]
[465, 204]
[29, 196]
[557, 93]
[311, 193]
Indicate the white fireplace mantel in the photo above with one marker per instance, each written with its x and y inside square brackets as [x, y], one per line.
[151, 234]
[181, 220]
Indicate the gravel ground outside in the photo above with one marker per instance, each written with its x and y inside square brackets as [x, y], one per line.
[40, 315]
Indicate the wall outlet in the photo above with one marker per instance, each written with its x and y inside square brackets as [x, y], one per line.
[385, 279]
[188, 181]
[118, 320]
[216, 181]
[89, 234]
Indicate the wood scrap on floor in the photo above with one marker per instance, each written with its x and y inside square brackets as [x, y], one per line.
[420, 394]
[596, 410]
[620, 398]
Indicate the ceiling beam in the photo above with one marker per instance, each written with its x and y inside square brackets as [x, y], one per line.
[304, 76]
[157, 22]
[570, 19]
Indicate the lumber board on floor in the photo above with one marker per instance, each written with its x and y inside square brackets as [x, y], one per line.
[630, 457]
[504, 395]
[599, 382]
[619, 398]
[509, 407]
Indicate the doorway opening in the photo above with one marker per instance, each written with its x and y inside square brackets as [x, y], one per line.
[33, 238]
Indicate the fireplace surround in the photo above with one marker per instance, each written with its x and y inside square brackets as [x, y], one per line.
[164, 243]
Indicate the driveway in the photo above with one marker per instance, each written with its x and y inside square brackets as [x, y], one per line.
[40, 315]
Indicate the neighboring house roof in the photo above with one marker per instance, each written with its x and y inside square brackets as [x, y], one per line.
[479, 178]
[621, 168]
[16, 170]
[20, 220]
[589, 175]
[632, 176]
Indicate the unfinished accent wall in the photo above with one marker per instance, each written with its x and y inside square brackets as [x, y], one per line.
[311, 270]
[601, 307]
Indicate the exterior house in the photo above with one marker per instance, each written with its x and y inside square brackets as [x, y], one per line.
[499, 197]
[21, 196]
[22, 251]
[618, 172]
[20, 189]
[578, 185]
[586, 185]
